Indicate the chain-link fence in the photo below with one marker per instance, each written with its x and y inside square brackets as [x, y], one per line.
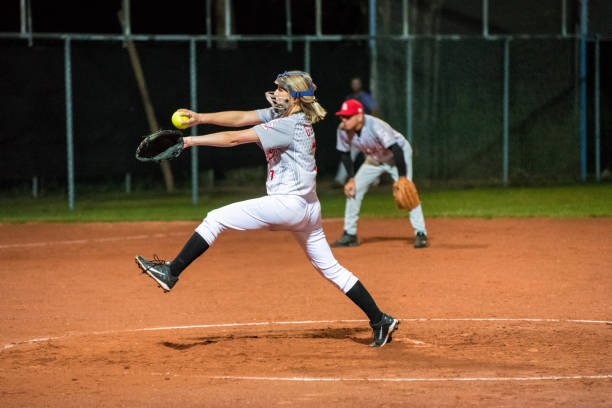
[458, 108]
[492, 91]
[479, 103]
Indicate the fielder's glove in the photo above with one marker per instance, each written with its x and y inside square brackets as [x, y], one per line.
[405, 194]
[161, 145]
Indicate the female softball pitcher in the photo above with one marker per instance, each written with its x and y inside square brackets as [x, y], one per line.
[284, 132]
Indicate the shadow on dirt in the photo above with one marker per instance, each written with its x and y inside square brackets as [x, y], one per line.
[358, 335]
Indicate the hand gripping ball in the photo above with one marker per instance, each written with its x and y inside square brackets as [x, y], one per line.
[177, 120]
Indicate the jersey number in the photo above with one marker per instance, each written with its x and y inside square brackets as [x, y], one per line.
[308, 130]
[271, 174]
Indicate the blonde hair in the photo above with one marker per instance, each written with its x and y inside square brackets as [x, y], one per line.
[301, 82]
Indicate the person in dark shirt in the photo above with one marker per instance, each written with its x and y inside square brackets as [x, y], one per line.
[369, 104]
[370, 107]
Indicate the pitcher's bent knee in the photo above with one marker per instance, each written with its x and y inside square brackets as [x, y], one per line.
[210, 228]
[339, 276]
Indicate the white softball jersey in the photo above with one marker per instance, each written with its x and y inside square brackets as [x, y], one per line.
[292, 203]
[289, 145]
[374, 139]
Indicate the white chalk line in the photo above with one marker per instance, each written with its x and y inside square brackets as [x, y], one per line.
[91, 240]
[303, 322]
[411, 379]
[108, 239]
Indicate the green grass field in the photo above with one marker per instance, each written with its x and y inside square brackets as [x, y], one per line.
[588, 200]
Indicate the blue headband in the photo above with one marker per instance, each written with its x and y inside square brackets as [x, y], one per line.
[284, 74]
[297, 94]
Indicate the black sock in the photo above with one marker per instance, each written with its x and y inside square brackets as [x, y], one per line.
[362, 298]
[192, 249]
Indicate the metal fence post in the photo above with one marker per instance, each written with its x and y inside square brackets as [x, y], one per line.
[127, 20]
[409, 95]
[406, 33]
[69, 136]
[208, 23]
[373, 50]
[23, 16]
[26, 20]
[405, 18]
[506, 98]
[128, 182]
[485, 18]
[318, 26]
[597, 113]
[583, 84]
[288, 24]
[228, 21]
[307, 55]
[564, 18]
[35, 186]
[194, 106]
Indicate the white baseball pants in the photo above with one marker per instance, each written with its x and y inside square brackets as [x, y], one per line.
[299, 214]
[364, 178]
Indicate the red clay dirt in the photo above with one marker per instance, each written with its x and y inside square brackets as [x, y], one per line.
[502, 312]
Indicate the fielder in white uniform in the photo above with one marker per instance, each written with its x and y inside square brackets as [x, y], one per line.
[387, 151]
[285, 134]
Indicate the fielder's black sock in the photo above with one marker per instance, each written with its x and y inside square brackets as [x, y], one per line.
[192, 249]
[362, 298]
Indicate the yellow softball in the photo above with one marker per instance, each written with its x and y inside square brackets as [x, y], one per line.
[178, 118]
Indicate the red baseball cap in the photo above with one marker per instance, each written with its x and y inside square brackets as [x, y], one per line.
[350, 107]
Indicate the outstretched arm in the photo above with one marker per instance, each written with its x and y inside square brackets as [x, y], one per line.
[226, 118]
[222, 139]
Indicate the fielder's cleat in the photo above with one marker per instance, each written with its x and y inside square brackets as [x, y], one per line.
[346, 240]
[420, 241]
[382, 330]
[159, 270]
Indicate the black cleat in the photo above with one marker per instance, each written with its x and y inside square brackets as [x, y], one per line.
[382, 330]
[420, 241]
[346, 240]
[159, 270]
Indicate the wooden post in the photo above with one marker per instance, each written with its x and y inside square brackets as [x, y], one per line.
[144, 93]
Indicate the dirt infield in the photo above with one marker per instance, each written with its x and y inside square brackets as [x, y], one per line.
[503, 312]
